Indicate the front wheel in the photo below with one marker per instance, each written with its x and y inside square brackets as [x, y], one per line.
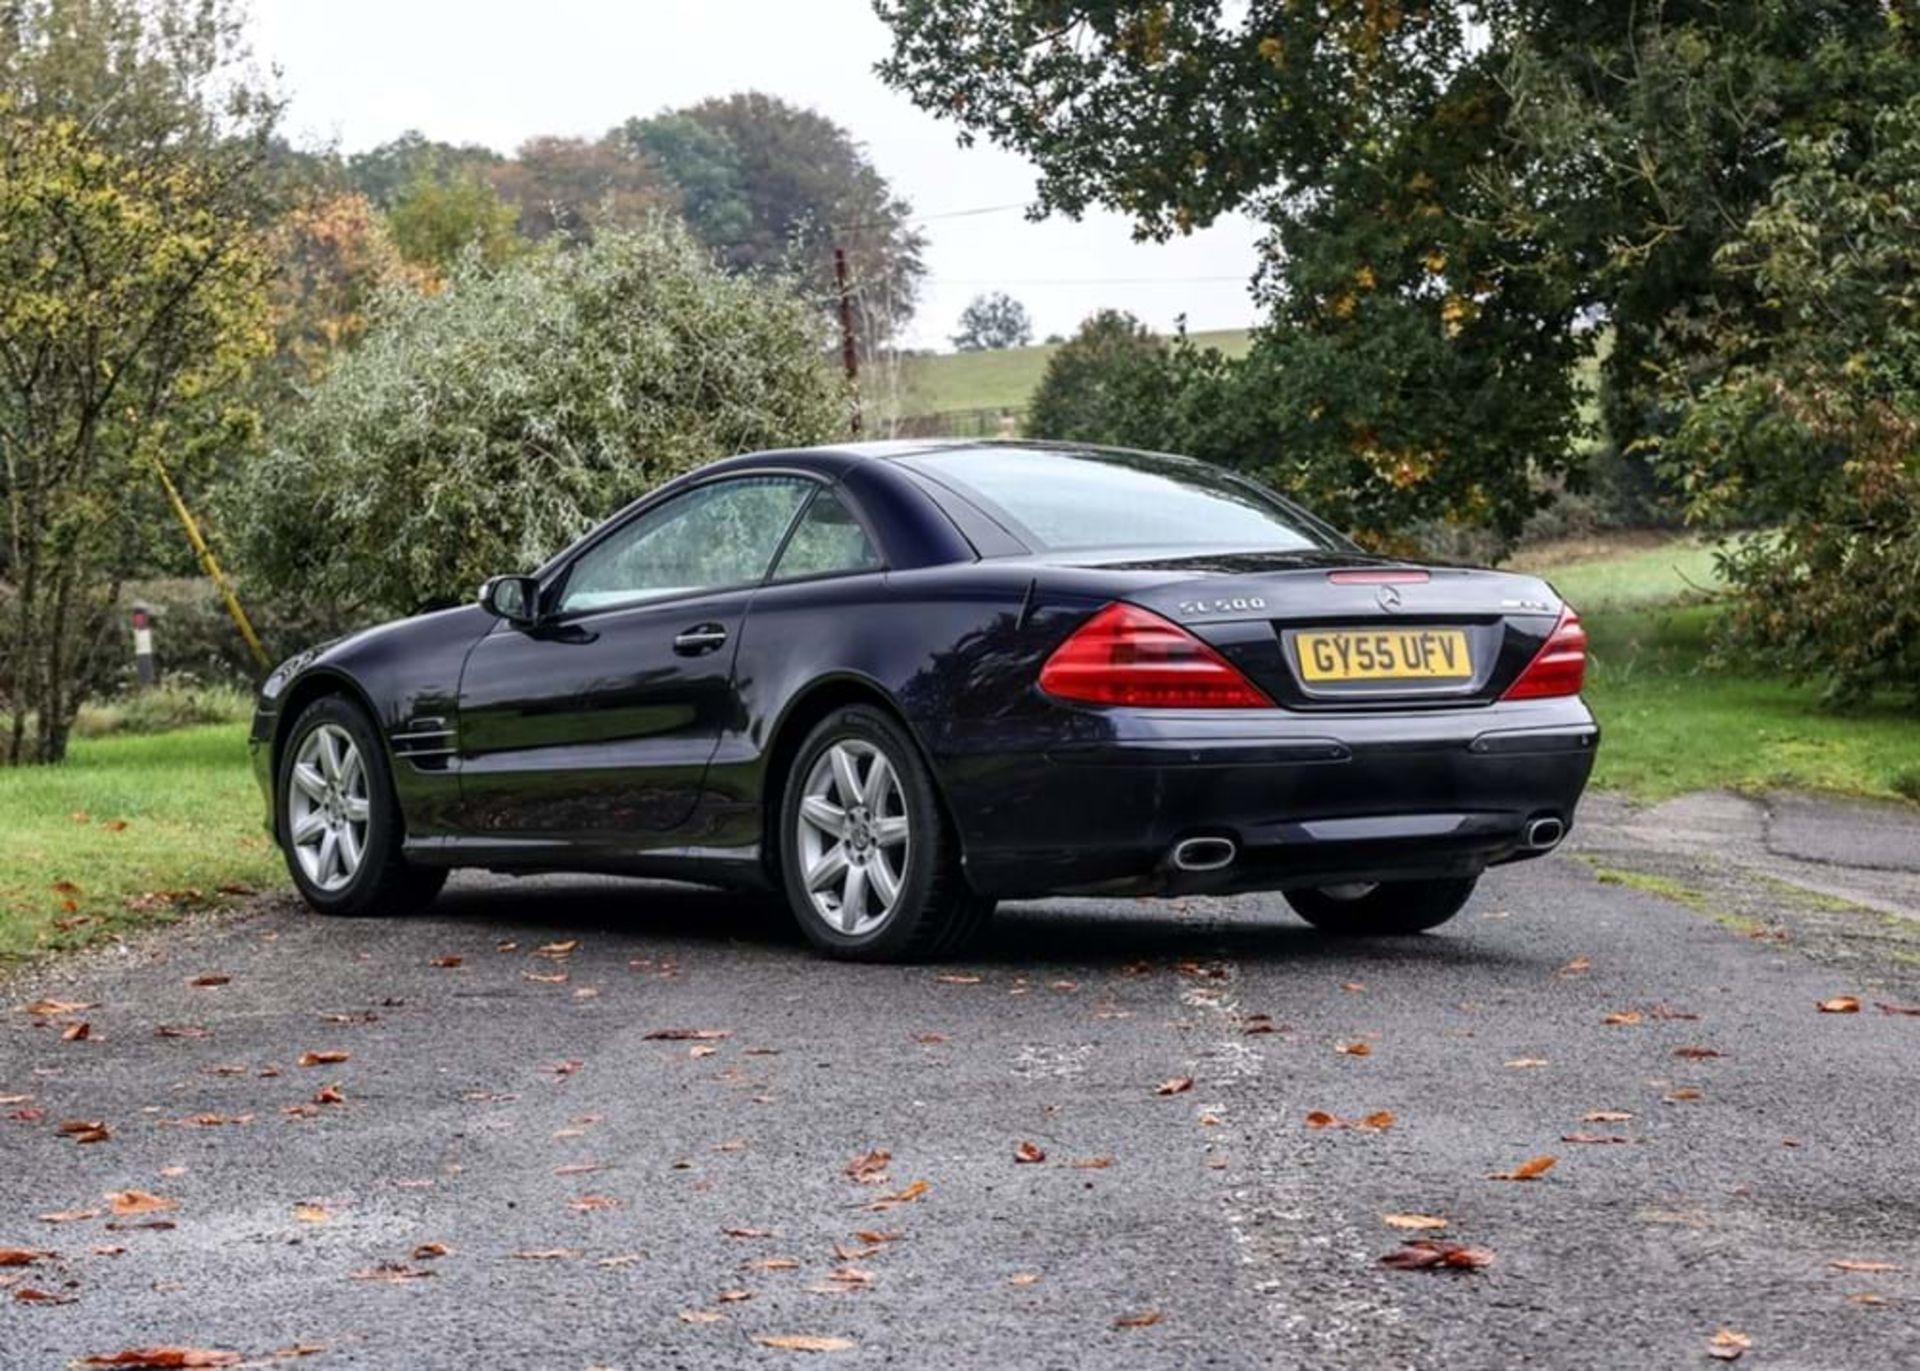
[868, 860]
[1383, 908]
[339, 822]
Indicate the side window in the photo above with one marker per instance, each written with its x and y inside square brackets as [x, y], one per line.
[723, 534]
[828, 539]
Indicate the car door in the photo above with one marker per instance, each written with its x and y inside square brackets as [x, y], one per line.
[594, 725]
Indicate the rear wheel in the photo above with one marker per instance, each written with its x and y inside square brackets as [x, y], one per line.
[338, 821]
[870, 865]
[1384, 908]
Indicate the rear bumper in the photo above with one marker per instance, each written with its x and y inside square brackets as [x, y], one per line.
[1307, 799]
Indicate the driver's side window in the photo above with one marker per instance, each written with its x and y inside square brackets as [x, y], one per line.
[718, 535]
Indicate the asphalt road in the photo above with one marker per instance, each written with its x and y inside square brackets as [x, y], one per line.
[1225, 1227]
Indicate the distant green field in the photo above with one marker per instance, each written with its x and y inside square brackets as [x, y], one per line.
[1004, 378]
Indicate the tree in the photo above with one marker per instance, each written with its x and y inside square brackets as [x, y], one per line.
[1457, 194]
[1810, 425]
[433, 222]
[480, 429]
[1102, 384]
[132, 307]
[993, 321]
[385, 174]
[331, 254]
[569, 186]
[771, 187]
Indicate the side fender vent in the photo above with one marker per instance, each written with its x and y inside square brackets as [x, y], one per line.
[426, 744]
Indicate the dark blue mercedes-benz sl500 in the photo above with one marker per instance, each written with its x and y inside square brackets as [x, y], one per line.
[902, 681]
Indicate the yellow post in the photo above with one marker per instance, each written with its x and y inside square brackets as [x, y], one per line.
[211, 565]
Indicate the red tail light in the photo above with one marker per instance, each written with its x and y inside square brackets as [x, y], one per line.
[1125, 655]
[1559, 667]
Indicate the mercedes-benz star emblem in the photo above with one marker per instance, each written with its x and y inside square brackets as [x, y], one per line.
[1388, 597]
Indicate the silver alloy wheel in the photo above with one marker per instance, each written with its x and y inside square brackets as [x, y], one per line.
[327, 807]
[854, 836]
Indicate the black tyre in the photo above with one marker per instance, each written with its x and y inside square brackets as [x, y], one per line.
[870, 865]
[1383, 909]
[339, 824]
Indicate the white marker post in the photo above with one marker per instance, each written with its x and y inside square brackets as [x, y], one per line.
[143, 668]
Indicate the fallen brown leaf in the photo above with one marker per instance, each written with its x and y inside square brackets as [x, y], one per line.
[311, 1213]
[1727, 1345]
[21, 1256]
[1378, 1121]
[1841, 1004]
[181, 1030]
[125, 1202]
[1697, 1053]
[907, 1195]
[390, 1271]
[1578, 966]
[164, 1358]
[733, 1296]
[1320, 1118]
[547, 1254]
[700, 1316]
[28, 1294]
[1841, 1264]
[1145, 1319]
[1530, 1170]
[1028, 1152]
[1526, 1063]
[1355, 1048]
[587, 1204]
[1413, 1222]
[331, 1056]
[1091, 1163]
[1685, 1092]
[76, 1032]
[1178, 1085]
[1625, 1018]
[69, 1215]
[954, 978]
[85, 1130]
[803, 1342]
[1430, 1254]
[430, 1251]
[44, 1008]
[1594, 1138]
[447, 963]
[681, 1035]
[1885, 1008]
[748, 1232]
[1605, 1116]
[770, 1264]
[210, 980]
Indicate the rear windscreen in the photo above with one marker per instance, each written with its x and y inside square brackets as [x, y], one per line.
[1058, 501]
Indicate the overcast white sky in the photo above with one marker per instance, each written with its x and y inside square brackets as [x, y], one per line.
[499, 71]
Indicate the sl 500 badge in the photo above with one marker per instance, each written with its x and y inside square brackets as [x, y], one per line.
[1231, 606]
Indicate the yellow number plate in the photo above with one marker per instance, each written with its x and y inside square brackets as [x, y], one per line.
[1385, 655]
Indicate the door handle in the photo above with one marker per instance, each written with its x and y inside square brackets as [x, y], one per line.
[700, 638]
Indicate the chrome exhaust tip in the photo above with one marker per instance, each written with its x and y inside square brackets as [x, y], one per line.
[1545, 833]
[1204, 854]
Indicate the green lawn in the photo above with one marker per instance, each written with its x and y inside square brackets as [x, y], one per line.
[130, 830]
[1673, 722]
[1004, 378]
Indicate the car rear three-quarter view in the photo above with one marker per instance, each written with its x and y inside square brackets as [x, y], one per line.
[901, 682]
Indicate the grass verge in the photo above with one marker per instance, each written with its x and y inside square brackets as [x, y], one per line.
[1673, 722]
[130, 830]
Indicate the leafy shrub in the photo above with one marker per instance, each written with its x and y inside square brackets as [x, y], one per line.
[1814, 428]
[479, 430]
